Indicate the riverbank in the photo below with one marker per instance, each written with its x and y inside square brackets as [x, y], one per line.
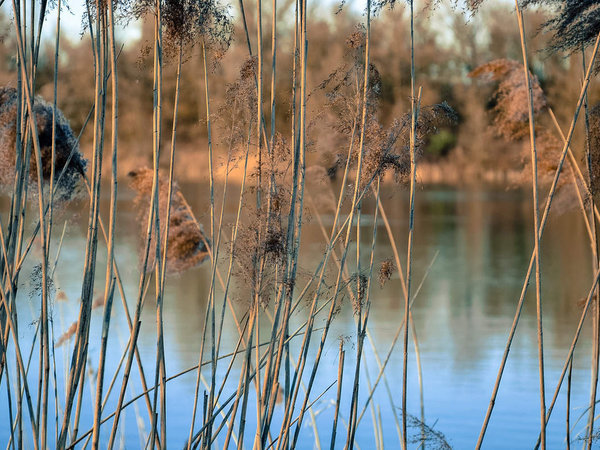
[191, 165]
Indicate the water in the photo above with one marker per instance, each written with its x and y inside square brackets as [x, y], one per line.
[476, 244]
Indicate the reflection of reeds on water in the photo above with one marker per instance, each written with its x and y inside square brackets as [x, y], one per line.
[187, 244]
[66, 146]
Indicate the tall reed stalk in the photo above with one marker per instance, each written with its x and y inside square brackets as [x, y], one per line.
[536, 224]
[411, 221]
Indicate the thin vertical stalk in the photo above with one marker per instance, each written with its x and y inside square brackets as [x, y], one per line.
[595, 262]
[259, 100]
[273, 68]
[213, 257]
[152, 226]
[355, 201]
[536, 220]
[338, 399]
[160, 370]
[568, 407]
[413, 182]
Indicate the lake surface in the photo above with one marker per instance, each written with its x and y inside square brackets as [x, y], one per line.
[477, 244]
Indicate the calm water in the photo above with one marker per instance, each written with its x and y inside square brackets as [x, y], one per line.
[478, 243]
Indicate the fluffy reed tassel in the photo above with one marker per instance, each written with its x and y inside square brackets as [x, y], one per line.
[389, 149]
[512, 102]
[67, 149]
[187, 244]
[386, 270]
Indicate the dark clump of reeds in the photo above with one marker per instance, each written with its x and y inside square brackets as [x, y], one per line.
[259, 243]
[68, 158]
[359, 285]
[425, 435]
[386, 270]
[575, 24]
[473, 5]
[37, 284]
[188, 22]
[187, 244]
[511, 109]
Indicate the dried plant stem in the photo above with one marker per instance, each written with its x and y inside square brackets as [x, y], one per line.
[568, 407]
[362, 321]
[284, 433]
[160, 370]
[413, 180]
[536, 221]
[210, 305]
[338, 398]
[595, 264]
[43, 379]
[259, 100]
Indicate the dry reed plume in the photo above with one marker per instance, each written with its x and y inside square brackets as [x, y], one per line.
[511, 121]
[235, 116]
[66, 146]
[425, 435]
[390, 151]
[386, 270]
[386, 149]
[187, 244]
[185, 23]
[511, 109]
[262, 236]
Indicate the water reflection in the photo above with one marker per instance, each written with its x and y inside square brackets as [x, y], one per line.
[480, 242]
